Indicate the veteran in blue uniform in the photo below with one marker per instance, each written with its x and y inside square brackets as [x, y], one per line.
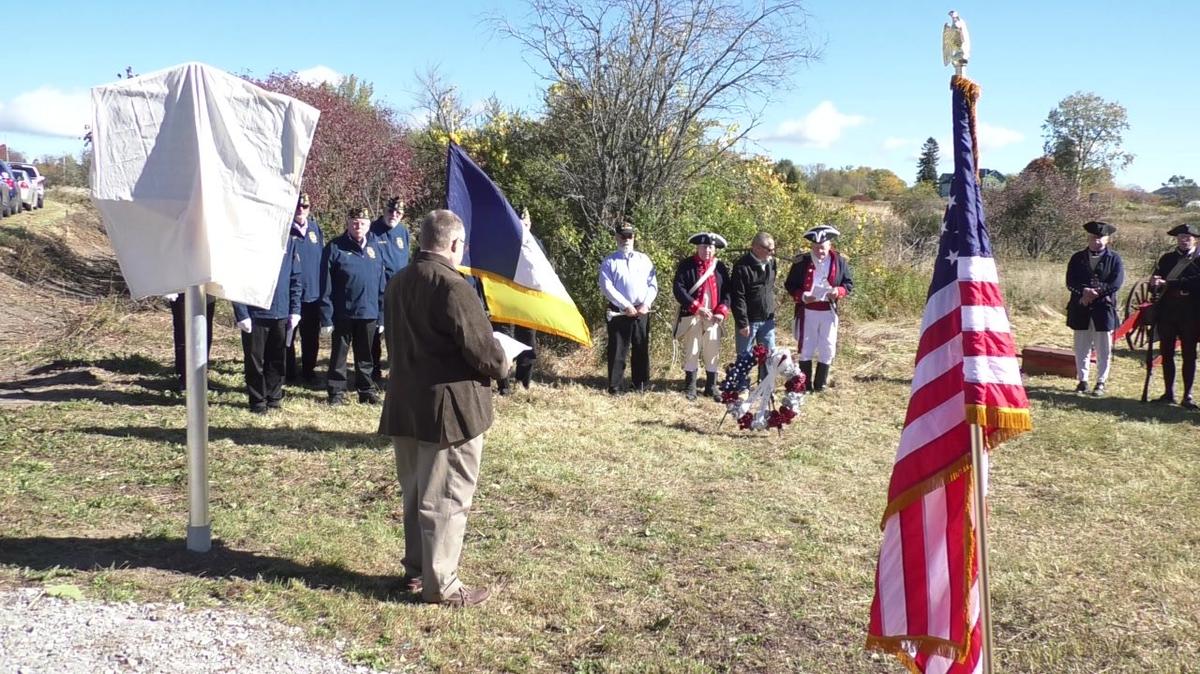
[1094, 276]
[310, 246]
[265, 332]
[352, 305]
[392, 235]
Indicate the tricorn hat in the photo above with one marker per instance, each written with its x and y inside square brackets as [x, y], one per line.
[708, 239]
[359, 213]
[1099, 228]
[822, 233]
[1184, 228]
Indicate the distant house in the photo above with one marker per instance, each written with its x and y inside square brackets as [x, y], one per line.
[987, 178]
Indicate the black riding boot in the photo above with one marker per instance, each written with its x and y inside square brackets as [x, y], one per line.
[710, 384]
[806, 368]
[820, 377]
[689, 385]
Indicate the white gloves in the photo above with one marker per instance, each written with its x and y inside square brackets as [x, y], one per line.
[244, 325]
[171, 297]
[326, 330]
[293, 321]
[379, 328]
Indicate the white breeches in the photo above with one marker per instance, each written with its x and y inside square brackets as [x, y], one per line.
[1085, 341]
[819, 340]
[700, 341]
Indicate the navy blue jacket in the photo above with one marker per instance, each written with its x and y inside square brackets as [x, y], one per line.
[352, 283]
[310, 248]
[393, 246]
[1107, 280]
[287, 291]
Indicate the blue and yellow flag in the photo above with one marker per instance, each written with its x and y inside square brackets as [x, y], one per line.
[519, 284]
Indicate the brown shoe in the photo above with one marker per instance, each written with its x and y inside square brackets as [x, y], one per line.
[412, 584]
[465, 597]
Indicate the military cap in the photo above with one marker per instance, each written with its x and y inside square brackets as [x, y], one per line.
[708, 239]
[1099, 228]
[822, 233]
[359, 213]
[1184, 228]
[395, 204]
[303, 200]
[625, 229]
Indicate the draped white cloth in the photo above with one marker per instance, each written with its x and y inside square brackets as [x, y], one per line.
[196, 174]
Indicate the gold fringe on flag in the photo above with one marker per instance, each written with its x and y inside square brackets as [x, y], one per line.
[970, 91]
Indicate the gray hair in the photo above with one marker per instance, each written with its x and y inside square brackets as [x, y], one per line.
[762, 238]
[438, 229]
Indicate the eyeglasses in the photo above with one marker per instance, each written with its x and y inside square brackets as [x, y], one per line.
[300, 206]
[770, 250]
[625, 237]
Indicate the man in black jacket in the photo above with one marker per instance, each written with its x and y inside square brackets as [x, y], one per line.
[1177, 277]
[752, 295]
[1094, 275]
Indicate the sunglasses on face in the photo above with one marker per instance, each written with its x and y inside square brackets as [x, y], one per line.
[625, 237]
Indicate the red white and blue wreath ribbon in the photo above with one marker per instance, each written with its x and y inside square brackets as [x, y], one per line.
[754, 408]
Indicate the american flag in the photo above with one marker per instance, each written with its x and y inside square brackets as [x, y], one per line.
[926, 607]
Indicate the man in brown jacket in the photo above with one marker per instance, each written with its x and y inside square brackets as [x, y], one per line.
[438, 404]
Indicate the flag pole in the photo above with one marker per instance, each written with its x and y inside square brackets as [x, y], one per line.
[985, 601]
[199, 531]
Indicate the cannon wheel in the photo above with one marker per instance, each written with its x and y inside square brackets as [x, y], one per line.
[1139, 336]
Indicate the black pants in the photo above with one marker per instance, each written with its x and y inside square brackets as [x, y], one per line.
[1186, 331]
[348, 334]
[263, 348]
[179, 334]
[523, 372]
[308, 335]
[626, 333]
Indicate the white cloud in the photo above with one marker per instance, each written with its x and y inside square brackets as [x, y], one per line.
[820, 128]
[892, 144]
[995, 137]
[318, 74]
[47, 111]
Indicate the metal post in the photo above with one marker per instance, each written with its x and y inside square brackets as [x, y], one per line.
[985, 601]
[199, 531]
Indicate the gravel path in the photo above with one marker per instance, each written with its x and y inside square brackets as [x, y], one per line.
[44, 635]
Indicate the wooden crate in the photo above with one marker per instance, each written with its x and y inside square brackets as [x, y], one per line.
[1048, 360]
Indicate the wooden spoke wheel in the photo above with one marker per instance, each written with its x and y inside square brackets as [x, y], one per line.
[1139, 295]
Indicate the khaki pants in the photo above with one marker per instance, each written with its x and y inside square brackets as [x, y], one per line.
[700, 341]
[438, 483]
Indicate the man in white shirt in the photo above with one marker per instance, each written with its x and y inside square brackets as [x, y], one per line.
[629, 283]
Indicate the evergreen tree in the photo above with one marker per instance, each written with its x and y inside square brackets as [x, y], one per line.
[927, 165]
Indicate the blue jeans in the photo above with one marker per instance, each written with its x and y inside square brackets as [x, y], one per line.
[761, 332]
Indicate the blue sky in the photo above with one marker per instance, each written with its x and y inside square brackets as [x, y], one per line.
[877, 92]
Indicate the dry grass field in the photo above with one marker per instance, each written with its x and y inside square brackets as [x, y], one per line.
[626, 534]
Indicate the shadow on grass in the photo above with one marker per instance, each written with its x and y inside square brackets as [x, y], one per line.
[306, 439]
[131, 364]
[155, 377]
[42, 553]
[1124, 407]
[106, 396]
